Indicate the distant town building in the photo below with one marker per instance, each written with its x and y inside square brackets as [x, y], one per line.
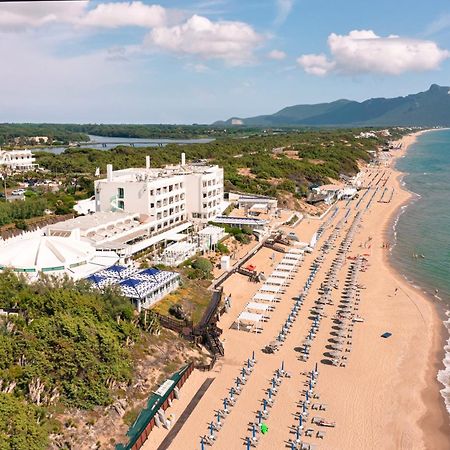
[38, 140]
[17, 160]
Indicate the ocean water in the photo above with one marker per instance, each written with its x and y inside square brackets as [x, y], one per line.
[422, 230]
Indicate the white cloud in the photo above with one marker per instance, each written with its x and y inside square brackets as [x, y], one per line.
[362, 51]
[278, 55]
[316, 64]
[113, 15]
[233, 42]
[19, 16]
[438, 25]
[284, 8]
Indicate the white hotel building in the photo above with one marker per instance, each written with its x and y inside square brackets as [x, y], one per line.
[164, 197]
[17, 160]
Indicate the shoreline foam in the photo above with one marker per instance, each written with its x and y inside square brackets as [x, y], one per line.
[438, 366]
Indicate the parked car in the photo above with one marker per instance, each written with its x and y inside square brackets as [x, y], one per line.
[18, 192]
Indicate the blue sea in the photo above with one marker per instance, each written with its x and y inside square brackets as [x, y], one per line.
[422, 231]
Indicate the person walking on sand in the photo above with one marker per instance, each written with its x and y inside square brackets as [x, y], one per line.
[396, 290]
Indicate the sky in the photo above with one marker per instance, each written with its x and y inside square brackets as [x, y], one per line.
[198, 61]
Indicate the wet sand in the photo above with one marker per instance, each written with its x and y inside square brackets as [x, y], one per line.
[386, 397]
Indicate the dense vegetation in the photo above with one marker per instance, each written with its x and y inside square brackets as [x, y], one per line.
[318, 156]
[65, 133]
[55, 132]
[68, 344]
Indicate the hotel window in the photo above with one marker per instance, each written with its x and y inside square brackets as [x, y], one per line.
[152, 205]
[152, 191]
[158, 191]
[171, 188]
[120, 193]
[158, 216]
[121, 204]
[181, 185]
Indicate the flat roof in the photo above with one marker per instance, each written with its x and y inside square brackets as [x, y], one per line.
[143, 174]
[239, 220]
[92, 221]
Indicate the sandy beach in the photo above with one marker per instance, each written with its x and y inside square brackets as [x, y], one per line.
[384, 396]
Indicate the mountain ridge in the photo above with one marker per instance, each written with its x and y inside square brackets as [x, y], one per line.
[428, 108]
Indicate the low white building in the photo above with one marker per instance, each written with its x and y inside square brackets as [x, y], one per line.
[34, 254]
[17, 160]
[247, 202]
[144, 288]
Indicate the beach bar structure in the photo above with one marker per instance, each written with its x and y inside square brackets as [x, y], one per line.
[154, 413]
[144, 288]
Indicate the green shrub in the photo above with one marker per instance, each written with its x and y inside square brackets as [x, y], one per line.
[203, 264]
[222, 248]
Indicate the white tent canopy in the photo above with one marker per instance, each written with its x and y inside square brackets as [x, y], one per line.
[270, 288]
[257, 306]
[276, 281]
[246, 316]
[289, 262]
[280, 274]
[293, 256]
[285, 267]
[264, 297]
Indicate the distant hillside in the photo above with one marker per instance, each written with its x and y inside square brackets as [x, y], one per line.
[430, 108]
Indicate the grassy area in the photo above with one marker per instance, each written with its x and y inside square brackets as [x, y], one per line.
[193, 296]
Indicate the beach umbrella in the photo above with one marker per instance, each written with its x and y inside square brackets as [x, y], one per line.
[300, 422]
[254, 432]
[316, 367]
[264, 428]
[264, 405]
[202, 444]
[248, 443]
[297, 434]
[211, 429]
[282, 366]
[225, 404]
[270, 393]
[253, 356]
[218, 416]
[259, 417]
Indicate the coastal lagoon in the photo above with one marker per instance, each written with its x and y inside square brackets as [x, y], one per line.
[107, 143]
